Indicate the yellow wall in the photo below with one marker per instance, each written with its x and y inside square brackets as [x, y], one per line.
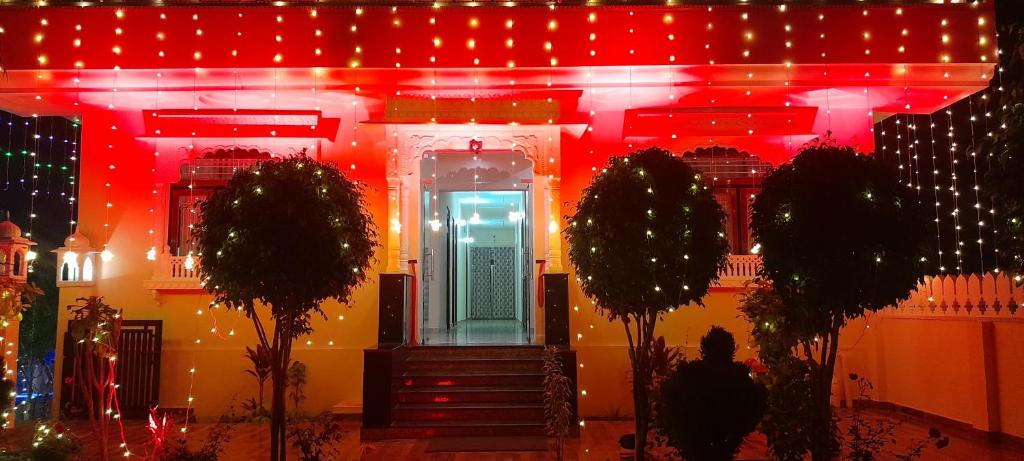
[963, 368]
[937, 366]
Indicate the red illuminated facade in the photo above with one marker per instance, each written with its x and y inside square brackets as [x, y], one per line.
[173, 99]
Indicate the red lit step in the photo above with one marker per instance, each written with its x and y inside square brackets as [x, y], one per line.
[469, 378]
[428, 429]
[462, 411]
[533, 365]
[441, 394]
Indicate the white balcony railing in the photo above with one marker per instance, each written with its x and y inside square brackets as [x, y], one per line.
[739, 270]
[174, 273]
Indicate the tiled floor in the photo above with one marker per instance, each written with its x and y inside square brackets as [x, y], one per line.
[598, 442]
[469, 332]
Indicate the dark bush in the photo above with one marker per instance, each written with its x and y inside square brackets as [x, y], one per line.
[708, 406]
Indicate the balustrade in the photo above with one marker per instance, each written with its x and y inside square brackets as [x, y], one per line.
[964, 295]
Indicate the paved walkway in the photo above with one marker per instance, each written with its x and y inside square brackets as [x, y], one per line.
[598, 441]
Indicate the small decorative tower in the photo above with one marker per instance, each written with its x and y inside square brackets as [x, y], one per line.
[14, 253]
[15, 292]
[77, 262]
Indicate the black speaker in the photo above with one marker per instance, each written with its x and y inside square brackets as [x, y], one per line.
[393, 316]
[556, 309]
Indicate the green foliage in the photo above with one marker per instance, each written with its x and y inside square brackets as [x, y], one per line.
[1003, 182]
[718, 346]
[53, 443]
[287, 234]
[839, 237]
[839, 234]
[296, 384]
[789, 414]
[177, 449]
[37, 339]
[708, 406]
[557, 399]
[872, 437]
[259, 358]
[317, 440]
[646, 235]
[96, 324]
[97, 328]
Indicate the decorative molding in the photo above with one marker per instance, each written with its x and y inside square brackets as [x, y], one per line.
[413, 142]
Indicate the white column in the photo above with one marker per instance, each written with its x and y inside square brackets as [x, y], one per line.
[394, 234]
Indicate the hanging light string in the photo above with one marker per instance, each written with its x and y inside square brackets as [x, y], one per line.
[899, 151]
[190, 398]
[935, 191]
[33, 184]
[25, 158]
[72, 180]
[977, 187]
[988, 161]
[49, 155]
[912, 144]
[154, 203]
[7, 152]
[900, 134]
[64, 158]
[954, 191]
[106, 255]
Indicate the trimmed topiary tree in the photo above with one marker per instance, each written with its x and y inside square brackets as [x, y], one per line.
[280, 239]
[645, 238]
[839, 237]
[708, 406]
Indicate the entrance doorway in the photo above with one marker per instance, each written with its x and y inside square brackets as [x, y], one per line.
[477, 249]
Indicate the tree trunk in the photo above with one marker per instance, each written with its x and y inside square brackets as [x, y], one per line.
[822, 448]
[640, 356]
[277, 420]
[275, 381]
[280, 356]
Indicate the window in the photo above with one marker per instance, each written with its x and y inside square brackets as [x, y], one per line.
[735, 178]
[200, 178]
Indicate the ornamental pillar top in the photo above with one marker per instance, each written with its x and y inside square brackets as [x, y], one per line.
[14, 252]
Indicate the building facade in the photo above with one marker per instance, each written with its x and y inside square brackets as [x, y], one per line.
[474, 129]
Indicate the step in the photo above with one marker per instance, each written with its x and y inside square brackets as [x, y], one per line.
[429, 429]
[440, 394]
[476, 352]
[535, 365]
[458, 378]
[462, 411]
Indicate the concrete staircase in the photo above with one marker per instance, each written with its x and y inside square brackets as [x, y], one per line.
[458, 391]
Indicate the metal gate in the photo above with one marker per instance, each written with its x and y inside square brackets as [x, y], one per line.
[138, 371]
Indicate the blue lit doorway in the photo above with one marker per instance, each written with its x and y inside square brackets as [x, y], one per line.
[477, 259]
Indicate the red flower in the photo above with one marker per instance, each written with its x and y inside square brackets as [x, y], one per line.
[755, 366]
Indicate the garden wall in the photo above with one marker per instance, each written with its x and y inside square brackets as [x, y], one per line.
[945, 356]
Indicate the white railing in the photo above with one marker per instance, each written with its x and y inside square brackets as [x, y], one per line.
[970, 295]
[739, 270]
[215, 168]
[174, 273]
